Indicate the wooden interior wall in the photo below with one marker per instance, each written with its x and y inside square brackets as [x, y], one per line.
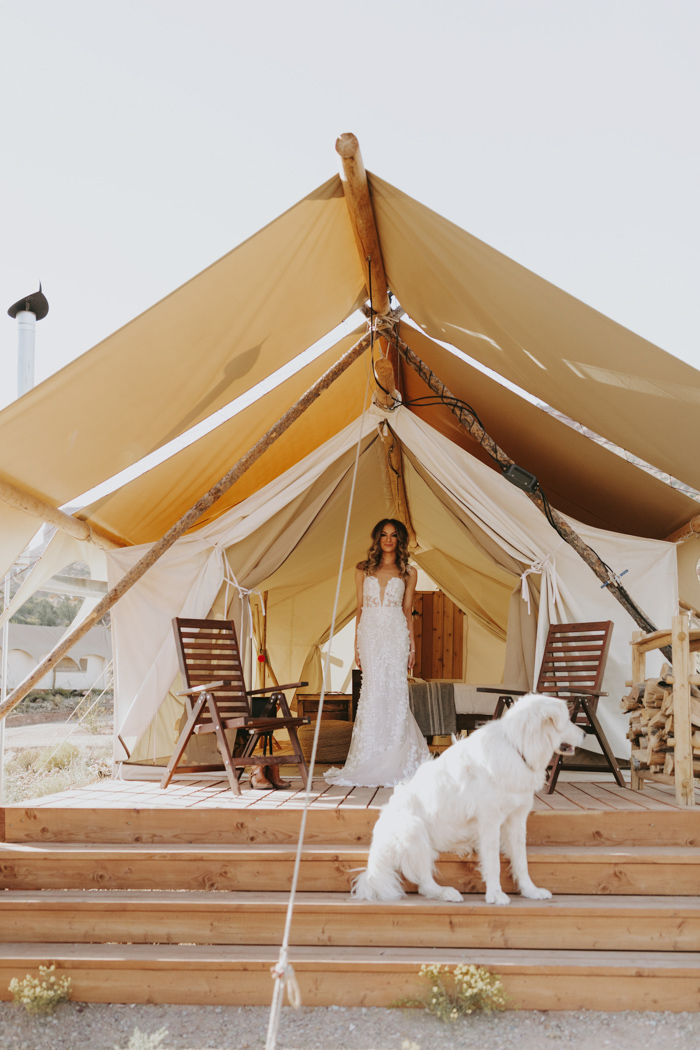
[438, 626]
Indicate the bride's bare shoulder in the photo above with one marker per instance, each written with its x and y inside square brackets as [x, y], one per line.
[361, 566]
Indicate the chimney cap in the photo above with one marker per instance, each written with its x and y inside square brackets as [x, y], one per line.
[37, 303]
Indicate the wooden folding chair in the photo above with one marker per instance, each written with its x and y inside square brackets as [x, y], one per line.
[572, 669]
[210, 663]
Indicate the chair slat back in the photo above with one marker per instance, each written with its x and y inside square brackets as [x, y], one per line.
[208, 652]
[575, 656]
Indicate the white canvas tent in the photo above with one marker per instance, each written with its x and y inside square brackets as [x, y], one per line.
[477, 537]
[278, 529]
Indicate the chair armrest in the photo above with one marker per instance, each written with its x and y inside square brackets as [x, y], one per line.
[582, 691]
[501, 690]
[206, 687]
[275, 688]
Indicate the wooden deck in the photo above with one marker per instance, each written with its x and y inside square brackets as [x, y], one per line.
[88, 879]
[575, 792]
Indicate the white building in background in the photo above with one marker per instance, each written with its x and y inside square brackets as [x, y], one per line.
[84, 668]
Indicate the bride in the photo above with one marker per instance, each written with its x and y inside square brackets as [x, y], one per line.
[387, 746]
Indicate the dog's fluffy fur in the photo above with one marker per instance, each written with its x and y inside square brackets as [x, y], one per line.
[476, 795]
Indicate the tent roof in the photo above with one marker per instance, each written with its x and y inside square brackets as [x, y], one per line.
[580, 477]
[142, 510]
[205, 344]
[273, 296]
[547, 342]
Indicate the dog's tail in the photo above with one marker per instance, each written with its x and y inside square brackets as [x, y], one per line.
[379, 882]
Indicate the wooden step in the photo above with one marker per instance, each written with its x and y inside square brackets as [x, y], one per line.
[668, 924]
[594, 869]
[534, 980]
[232, 825]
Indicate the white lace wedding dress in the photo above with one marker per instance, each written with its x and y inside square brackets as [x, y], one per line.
[387, 746]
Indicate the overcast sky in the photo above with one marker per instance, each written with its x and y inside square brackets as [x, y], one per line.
[143, 140]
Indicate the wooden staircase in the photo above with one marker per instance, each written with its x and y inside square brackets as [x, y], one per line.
[186, 905]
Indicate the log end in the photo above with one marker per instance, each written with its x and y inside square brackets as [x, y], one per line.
[347, 145]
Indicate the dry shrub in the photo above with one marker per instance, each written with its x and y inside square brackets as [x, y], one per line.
[458, 993]
[42, 994]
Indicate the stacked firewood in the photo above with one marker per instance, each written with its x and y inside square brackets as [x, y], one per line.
[650, 704]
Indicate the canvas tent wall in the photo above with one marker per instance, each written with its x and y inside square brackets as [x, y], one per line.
[477, 537]
[257, 308]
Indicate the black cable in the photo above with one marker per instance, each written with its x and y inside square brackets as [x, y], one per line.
[429, 400]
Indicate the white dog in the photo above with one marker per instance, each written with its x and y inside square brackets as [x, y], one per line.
[476, 795]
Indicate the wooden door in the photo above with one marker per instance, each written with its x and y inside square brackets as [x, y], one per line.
[438, 626]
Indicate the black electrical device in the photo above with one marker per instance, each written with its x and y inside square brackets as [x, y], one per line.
[522, 479]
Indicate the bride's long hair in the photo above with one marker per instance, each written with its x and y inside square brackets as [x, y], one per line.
[374, 554]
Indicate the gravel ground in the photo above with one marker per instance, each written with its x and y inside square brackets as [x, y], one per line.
[77, 1026]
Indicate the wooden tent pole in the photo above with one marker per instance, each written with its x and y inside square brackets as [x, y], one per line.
[686, 532]
[394, 465]
[364, 228]
[476, 430]
[185, 522]
[16, 497]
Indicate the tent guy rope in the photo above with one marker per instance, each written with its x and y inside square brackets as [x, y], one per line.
[186, 522]
[283, 971]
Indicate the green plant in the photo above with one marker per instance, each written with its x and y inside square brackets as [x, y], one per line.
[142, 1041]
[42, 994]
[457, 993]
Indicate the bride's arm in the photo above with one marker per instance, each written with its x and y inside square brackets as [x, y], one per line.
[409, 591]
[359, 584]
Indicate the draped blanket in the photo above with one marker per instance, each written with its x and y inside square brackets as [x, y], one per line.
[433, 707]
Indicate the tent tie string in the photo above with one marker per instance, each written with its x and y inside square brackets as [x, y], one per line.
[383, 324]
[244, 593]
[283, 972]
[539, 565]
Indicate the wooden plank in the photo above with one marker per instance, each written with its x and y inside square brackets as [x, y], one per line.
[324, 868]
[154, 917]
[557, 801]
[640, 799]
[579, 798]
[382, 796]
[448, 645]
[660, 792]
[599, 791]
[418, 632]
[427, 637]
[458, 633]
[197, 974]
[438, 664]
[359, 798]
[683, 752]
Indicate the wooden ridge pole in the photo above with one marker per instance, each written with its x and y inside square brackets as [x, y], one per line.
[16, 497]
[185, 522]
[476, 430]
[364, 228]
